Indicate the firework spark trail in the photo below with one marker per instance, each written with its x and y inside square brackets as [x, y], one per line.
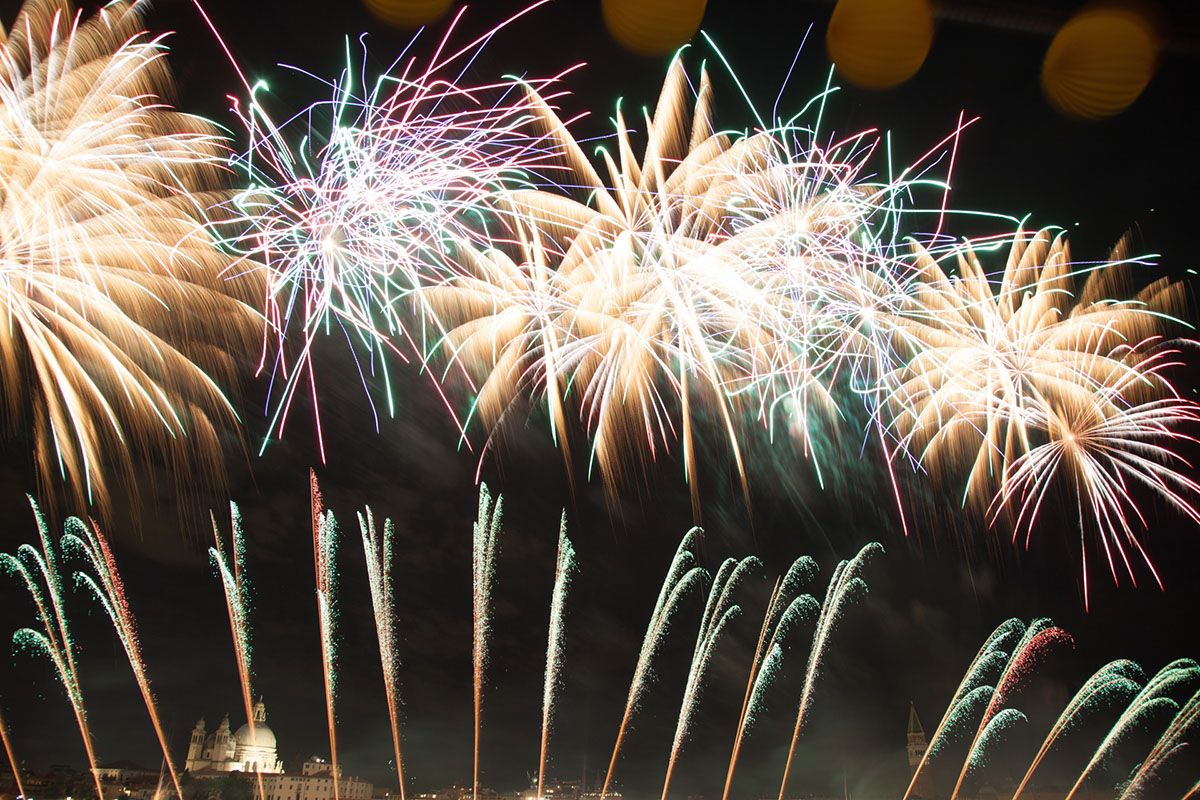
[779, 618]
[12, 758]
[991, 657]
[1153, 698]
[325, 539]
[563, 573]
[39, 572]
[109, 590]
[119, 317]
[845, 585]
[230, 566]
[999, 725]
[1105, 457]
[1117, 679]
[1026, 381]
[1032, 646]
[1168, 745]
[378, 553]
[719, 612]
[483, 565]
[354, 221]
[682, 577]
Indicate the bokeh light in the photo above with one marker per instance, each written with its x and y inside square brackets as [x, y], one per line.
[878, 44]
[1101, 60]
[652, 27]
[408, 13]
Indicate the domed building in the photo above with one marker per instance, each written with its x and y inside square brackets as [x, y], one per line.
[251, 749]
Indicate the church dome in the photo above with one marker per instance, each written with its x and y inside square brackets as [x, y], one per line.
[262, 737]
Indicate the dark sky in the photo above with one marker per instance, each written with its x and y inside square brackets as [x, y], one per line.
[934, 597]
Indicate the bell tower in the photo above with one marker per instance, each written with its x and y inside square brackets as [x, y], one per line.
[916, 740]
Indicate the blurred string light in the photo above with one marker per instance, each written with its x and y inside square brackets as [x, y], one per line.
[408, 13]
[878, 44]
[1101, 60]
[652, 27]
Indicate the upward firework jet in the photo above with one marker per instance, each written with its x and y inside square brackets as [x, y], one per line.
[379, 557]
[1116, 680]
[1167, 746]
[229, 561]
[683, 576]
[12, 759]
[719, 611]
[325, 535]
[1028, 650]
[483, 561]
[845, 585]
[563, 573]
[1154, 698]
[38, 570]
[785, 610]
[117, 317]
[986, 666]
[108, 589]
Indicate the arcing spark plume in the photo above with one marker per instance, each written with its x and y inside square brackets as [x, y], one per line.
[118, 318]
[483, 568]
[229, 562]
[379, 195]
[325, 538]
[785, 610]
[719, 611]
[1032, 645]
[984, 668]
[845, 585]
[38, 570]
[1120, 679]
[109, 590]
[379, 557]
[564, 571]
[1155, 697]
[1167, 746]
[682, 577]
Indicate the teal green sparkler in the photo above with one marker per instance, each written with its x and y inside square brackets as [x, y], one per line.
[563, 574]
[38, 570]
[683, 576]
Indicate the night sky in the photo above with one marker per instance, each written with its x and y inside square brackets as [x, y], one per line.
[933, 599]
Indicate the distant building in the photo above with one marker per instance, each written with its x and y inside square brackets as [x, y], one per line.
[315, 782]
[251, 749]
[917, 745]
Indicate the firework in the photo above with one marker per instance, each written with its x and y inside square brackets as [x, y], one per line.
[118, 318]
[38, 570]
[719, 611]
[972, 691]
[682, 577]
[1154, 698]
[1117, 679]
[483, 567]
[12, 759]
[780, 618]
[563, 573]
[845, 585]
[1026, 381]
[229, 562]
[357, 204]
[1037, 637]
[379, 554]
[325, 538]
[108, 589]
[1168, 745]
